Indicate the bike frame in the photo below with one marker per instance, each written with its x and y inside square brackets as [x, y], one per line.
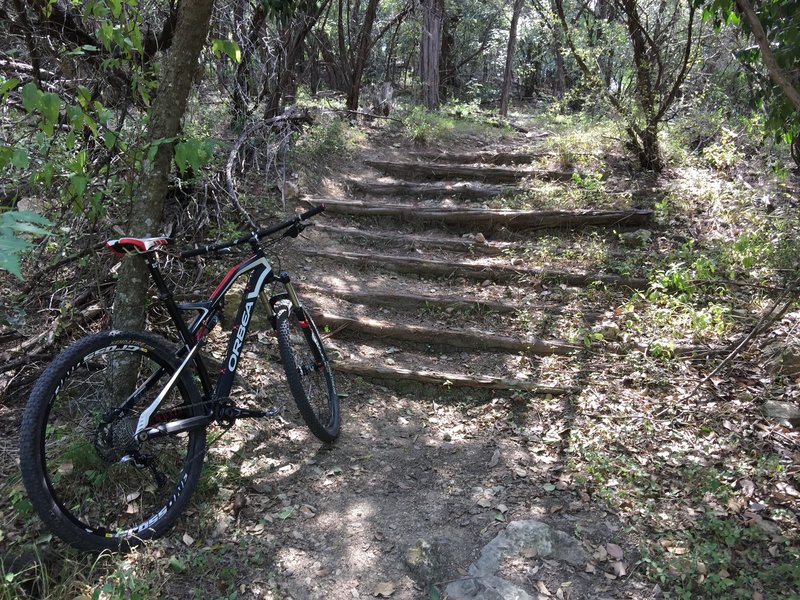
[194, 335]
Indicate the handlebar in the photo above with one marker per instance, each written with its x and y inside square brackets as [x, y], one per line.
[294, 226]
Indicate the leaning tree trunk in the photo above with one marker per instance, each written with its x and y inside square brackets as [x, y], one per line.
[512, 46]
[147, 215]
[430, 47]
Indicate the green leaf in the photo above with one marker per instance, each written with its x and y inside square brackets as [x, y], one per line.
[109, 139]
[548, 487]
[50, 105]
[77, 185]
[8, 85]
[31, 96]
[20, 158]
[176, 564]
[229, 47]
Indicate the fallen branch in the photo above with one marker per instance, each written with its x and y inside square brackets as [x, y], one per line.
[768, 318]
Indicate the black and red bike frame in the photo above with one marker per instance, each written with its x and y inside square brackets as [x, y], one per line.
[152, 424]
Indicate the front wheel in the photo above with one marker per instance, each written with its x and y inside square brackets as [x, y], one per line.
[308, 371]
[91, 482]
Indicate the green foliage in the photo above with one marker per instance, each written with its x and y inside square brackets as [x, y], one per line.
[721, 557]
[228, 47]
[15, 226]
[325, 140]
[781, 22]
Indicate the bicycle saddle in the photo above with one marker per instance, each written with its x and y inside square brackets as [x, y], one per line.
[130, 245]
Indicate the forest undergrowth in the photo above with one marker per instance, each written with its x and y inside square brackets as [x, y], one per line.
[670, 428]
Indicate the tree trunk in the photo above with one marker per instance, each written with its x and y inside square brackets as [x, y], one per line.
[773, 68]
[361, 55]
[512, 46]
[168, 108]
[430, 48]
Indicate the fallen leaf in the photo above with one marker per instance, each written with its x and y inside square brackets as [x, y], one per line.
[502, 508]
[187, 539]
[495, 459]
[542, 588]
[133, 496]
[748, 487]
[619, 568]
[484, 502]
[548, 487]
[614, 551]
[384, 589]
[590, 568]
[285, 513]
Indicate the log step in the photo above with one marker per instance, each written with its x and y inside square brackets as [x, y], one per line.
[489, 217]
[411, 301]
[443, 380]
[494, 158]
[429, 170]
[451, 244]
[440, 337]
[435, 189]
[496, 273]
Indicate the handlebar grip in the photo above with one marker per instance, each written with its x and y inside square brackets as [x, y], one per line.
[310, 213]
[190, 253]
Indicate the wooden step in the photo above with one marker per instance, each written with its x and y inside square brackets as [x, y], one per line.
[393, 375]
[399, 300]
[496, 273]
[434, 336]
[430, 170]
[452, 244]
[487, 157]
[435, 189]
[485, 217]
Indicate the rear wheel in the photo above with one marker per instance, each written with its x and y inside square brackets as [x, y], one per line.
[89, 480]
[308, 371]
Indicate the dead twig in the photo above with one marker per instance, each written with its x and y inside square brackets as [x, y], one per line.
[778, 309]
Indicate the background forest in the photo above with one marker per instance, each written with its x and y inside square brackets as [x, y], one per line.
[147, 117]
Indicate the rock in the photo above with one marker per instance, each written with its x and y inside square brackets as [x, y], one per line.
[636, 239]
[783, 412]
[428, 562]
[291, 191]
[479, 238]
[519, 540]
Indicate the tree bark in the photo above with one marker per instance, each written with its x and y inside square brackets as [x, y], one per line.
[430, 48]
[168, 108]
[773, 68]
[512, 46]
[361, 55]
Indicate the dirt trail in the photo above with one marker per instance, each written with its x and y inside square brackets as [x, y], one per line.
[456, 387]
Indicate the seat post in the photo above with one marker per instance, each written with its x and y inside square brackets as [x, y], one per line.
[166, 296]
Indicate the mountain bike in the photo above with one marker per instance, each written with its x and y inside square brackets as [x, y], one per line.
[113, 435]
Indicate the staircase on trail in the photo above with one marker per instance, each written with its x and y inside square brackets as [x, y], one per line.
[423, 283]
